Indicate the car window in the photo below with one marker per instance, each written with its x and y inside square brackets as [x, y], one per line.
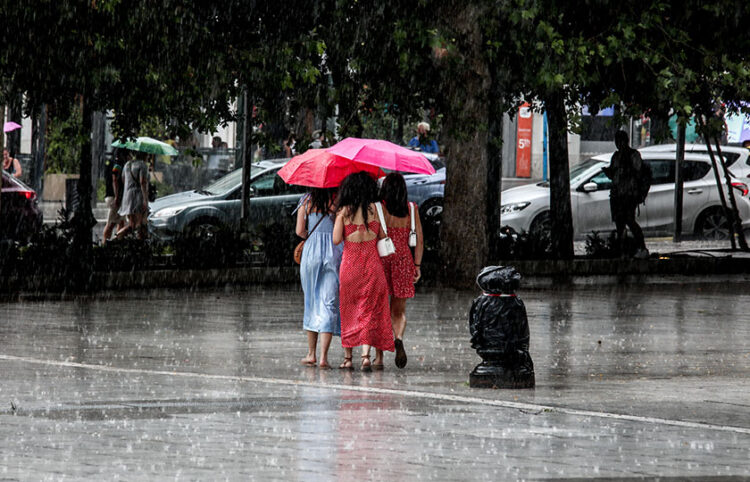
[694, 170]
[602, 181]
[662, 170]
[729, 157]
[283, 189]
[225, 184]
[7, 182]
[263, 185]
[577, 171]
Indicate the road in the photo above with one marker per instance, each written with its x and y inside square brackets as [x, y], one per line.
[206, 385]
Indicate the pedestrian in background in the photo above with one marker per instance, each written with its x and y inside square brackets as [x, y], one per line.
[11, 164]
[402, 270]
[290, 144]
[319, 273]
[422, 140]
[363, 292]
[623, 170]
[135, 197]
[113, 184]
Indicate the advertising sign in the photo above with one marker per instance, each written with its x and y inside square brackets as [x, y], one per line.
[523, 147]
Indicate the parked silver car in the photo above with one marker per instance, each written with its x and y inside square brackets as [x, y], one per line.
[218, 205]
[527, 208]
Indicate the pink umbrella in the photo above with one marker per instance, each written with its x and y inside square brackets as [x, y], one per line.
[10, 126]
[383, 154]
[320, 168]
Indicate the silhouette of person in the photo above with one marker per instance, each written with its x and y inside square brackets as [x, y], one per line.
[623, 196]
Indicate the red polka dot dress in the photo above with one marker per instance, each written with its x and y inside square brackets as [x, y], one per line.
[399, 267]
[363, 294]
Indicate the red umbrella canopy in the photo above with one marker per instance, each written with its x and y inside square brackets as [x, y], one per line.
[320, 168]
[382, 154]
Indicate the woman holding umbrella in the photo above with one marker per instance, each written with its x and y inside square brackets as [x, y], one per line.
[319, 273]
[365, 317]
[135, 196]
[319, 264]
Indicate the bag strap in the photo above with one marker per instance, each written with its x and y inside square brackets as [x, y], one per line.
[382, 221]
[322, 216]
[411, 212]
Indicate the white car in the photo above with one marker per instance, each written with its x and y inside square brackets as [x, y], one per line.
[526, 208]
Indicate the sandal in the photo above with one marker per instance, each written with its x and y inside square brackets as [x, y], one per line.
[307, 363]
[378, 366]
[347, 365]
[366, 365]
[400, 353]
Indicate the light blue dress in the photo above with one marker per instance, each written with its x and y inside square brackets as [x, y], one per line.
[319, 273]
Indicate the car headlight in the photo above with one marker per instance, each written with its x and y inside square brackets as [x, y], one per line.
[167, 212]
[513, 207]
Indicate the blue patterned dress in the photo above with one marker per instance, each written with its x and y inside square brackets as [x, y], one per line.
[319, 273]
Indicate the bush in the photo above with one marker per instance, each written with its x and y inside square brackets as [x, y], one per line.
[523, 245]
[597, 247]
[223, 248]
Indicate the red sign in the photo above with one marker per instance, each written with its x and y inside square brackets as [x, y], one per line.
[523, 147]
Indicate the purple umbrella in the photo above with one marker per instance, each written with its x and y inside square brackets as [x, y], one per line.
[10, 126]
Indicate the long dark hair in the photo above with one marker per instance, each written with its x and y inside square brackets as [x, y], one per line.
[393, 192]
[357, 191]
[321, 199]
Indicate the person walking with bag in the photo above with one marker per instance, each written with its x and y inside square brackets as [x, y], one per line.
[135, 197]
[363, 291]
[402, 270]
[319, 273]
[625, 194]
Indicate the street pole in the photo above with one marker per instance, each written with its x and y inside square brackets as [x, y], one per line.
[678, 182]
[246, 159]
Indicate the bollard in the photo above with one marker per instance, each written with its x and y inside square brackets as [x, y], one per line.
[500, 332]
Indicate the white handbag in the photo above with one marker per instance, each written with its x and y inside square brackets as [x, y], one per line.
[413, 232]
[385, 245]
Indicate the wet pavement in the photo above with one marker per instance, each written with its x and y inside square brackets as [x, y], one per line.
[632, 382]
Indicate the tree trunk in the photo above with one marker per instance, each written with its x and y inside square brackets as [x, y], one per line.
[83, 221]
[561, 216]
[494, 174]
[464, 224]
[736, 220]
[38, 150]
[679, 183]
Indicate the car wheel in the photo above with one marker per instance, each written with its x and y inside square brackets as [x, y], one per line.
[712, 224]
[540, 226]
[203, 229]
[431, 214]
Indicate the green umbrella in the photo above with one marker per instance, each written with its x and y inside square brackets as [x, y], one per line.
[147, 144]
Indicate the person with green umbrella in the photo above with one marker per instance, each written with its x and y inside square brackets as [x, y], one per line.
[135, 196]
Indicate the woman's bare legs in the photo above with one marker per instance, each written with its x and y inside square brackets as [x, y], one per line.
[398, 321]
[312, 345]
[325, 344]
[347, 359]
[366, 365]
[398, 316]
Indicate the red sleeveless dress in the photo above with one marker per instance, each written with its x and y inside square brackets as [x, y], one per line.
[399, 267]
[363, 294]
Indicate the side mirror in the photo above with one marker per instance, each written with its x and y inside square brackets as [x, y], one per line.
[590, 187]
[251, 192]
